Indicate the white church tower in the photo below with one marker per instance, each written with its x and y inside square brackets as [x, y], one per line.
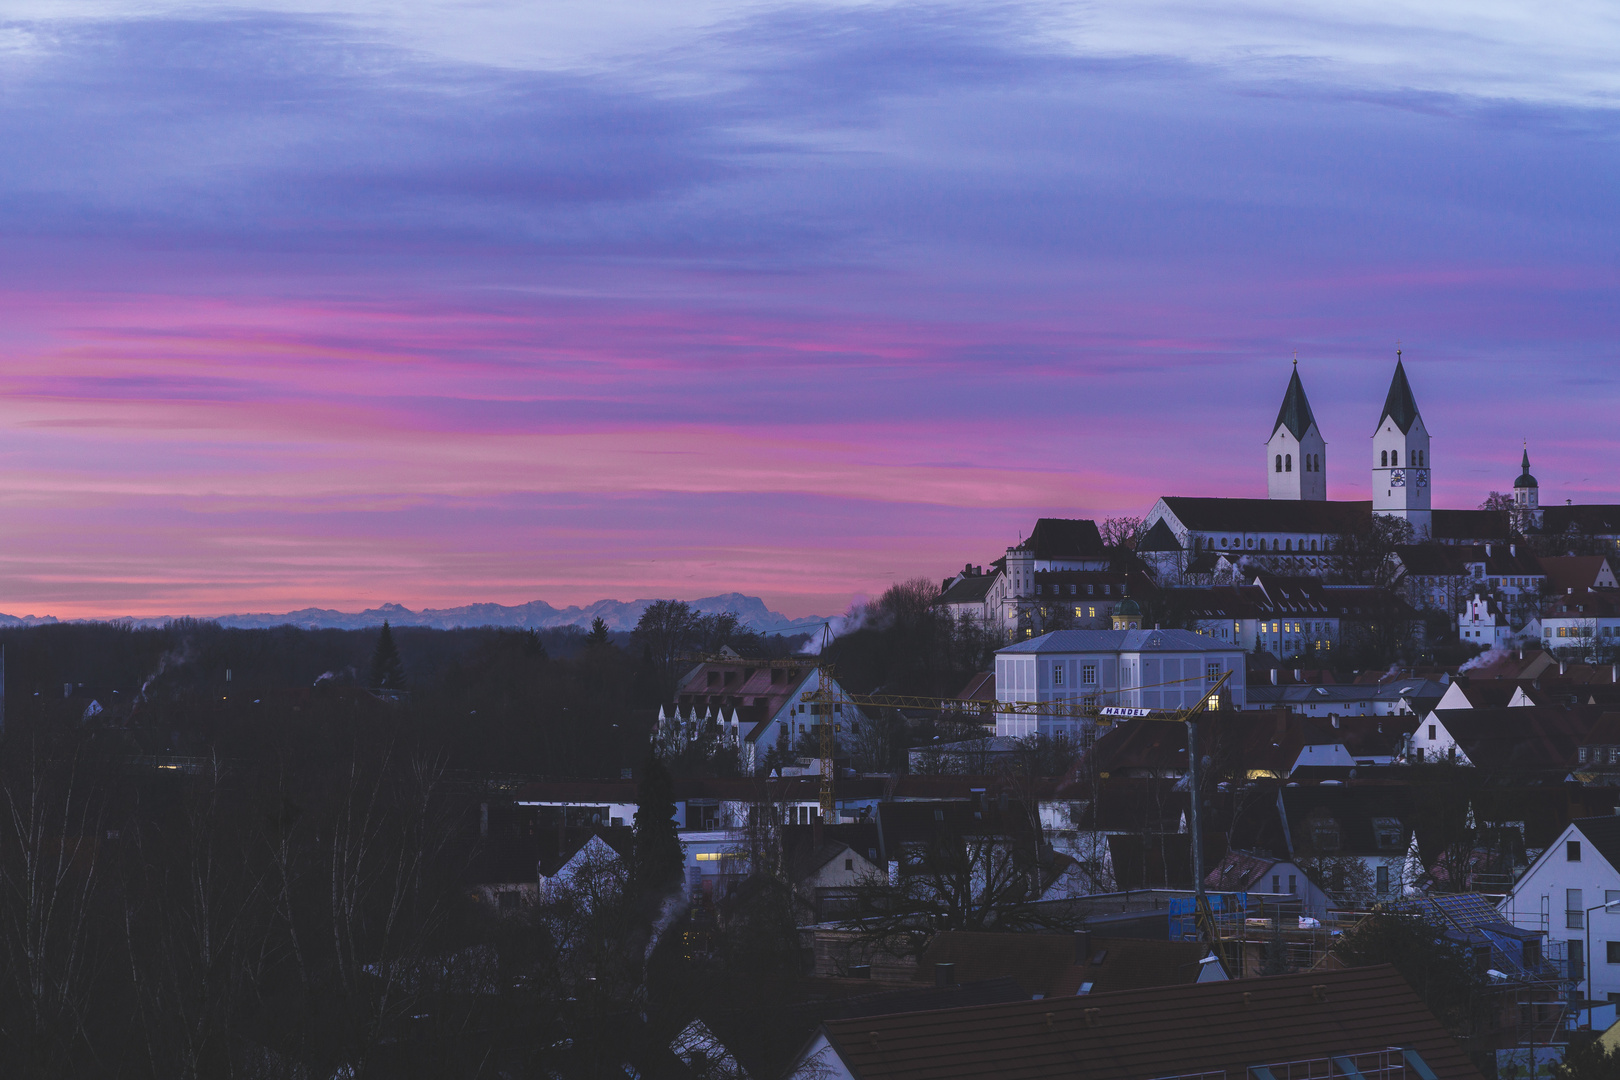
[1400, 481]
[1295, 452]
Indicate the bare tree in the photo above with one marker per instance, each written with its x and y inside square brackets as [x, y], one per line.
[49, 834]
[1120, 531]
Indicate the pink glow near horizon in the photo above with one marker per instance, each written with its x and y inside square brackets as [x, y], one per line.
[449, 334]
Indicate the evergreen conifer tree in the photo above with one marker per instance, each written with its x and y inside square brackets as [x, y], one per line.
[387, 670]
[598, 637]
[656, 858]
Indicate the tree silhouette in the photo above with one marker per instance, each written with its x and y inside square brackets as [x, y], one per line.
[656, 858]
[387, 670]
[598, 637]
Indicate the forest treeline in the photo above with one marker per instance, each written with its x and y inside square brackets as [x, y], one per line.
[246, 853]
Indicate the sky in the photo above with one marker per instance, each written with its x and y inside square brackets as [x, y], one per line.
[306, 303]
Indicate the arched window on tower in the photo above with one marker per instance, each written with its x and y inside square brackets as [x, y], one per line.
[1288, 463]
[1279, 463]
[1420, 459]
[1383, 458]
[1313, 545]
[1394, 458]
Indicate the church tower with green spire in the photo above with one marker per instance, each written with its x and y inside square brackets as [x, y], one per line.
[1400, 474]
[1526, 496]
[1295, 453]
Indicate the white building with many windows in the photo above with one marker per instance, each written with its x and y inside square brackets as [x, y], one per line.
[1142, 669]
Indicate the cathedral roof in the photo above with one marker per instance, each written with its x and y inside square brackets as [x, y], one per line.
[1207, 515]
[1296, 410]
[1400, 406]
[1158, 538]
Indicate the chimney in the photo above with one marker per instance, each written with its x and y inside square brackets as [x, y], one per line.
[1273, 676]
[1082, 946]
[1513, 549]
[1487, 551]
[1563, 665]
[1299, 675]
[1335, 718]
[815, 833]
[483, 819]
[944, 974]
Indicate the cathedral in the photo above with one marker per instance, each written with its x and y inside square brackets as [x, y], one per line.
[1297, 524]
[1291, 530]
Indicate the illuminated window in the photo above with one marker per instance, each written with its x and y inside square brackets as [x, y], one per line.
[708, 856]
[1078, 612]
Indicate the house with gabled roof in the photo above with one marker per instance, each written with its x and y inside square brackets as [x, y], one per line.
[1563, 896]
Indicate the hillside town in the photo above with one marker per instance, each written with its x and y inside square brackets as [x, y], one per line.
[1258, 770]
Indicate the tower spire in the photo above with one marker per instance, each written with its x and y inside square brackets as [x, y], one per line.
[1399, 405]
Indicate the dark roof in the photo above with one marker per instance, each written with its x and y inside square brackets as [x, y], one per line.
[1204, 515]
[1168, 1030]
[1565, 572]
[764, 1049]
[1588, 604]
[1158, 538]
[1603, 833]
[982, 687]
[1453, 560]
[1456, 525]
[1527, 738]
[968, 590]
[1063, 538]
[1159, 861]
[1352, 808]
[1058, 965]
[1399, 406]
[1594, 519]
[1296, 411]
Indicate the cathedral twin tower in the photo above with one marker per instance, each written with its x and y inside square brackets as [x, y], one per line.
[1296, 454]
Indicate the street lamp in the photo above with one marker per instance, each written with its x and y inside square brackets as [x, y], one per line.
[1587, 930]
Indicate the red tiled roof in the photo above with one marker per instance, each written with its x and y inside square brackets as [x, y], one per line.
[1168, 1030]
[1057, 965]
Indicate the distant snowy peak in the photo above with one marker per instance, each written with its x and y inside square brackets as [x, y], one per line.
[537, 614]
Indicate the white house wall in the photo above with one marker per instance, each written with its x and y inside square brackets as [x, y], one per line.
[1539, 898]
